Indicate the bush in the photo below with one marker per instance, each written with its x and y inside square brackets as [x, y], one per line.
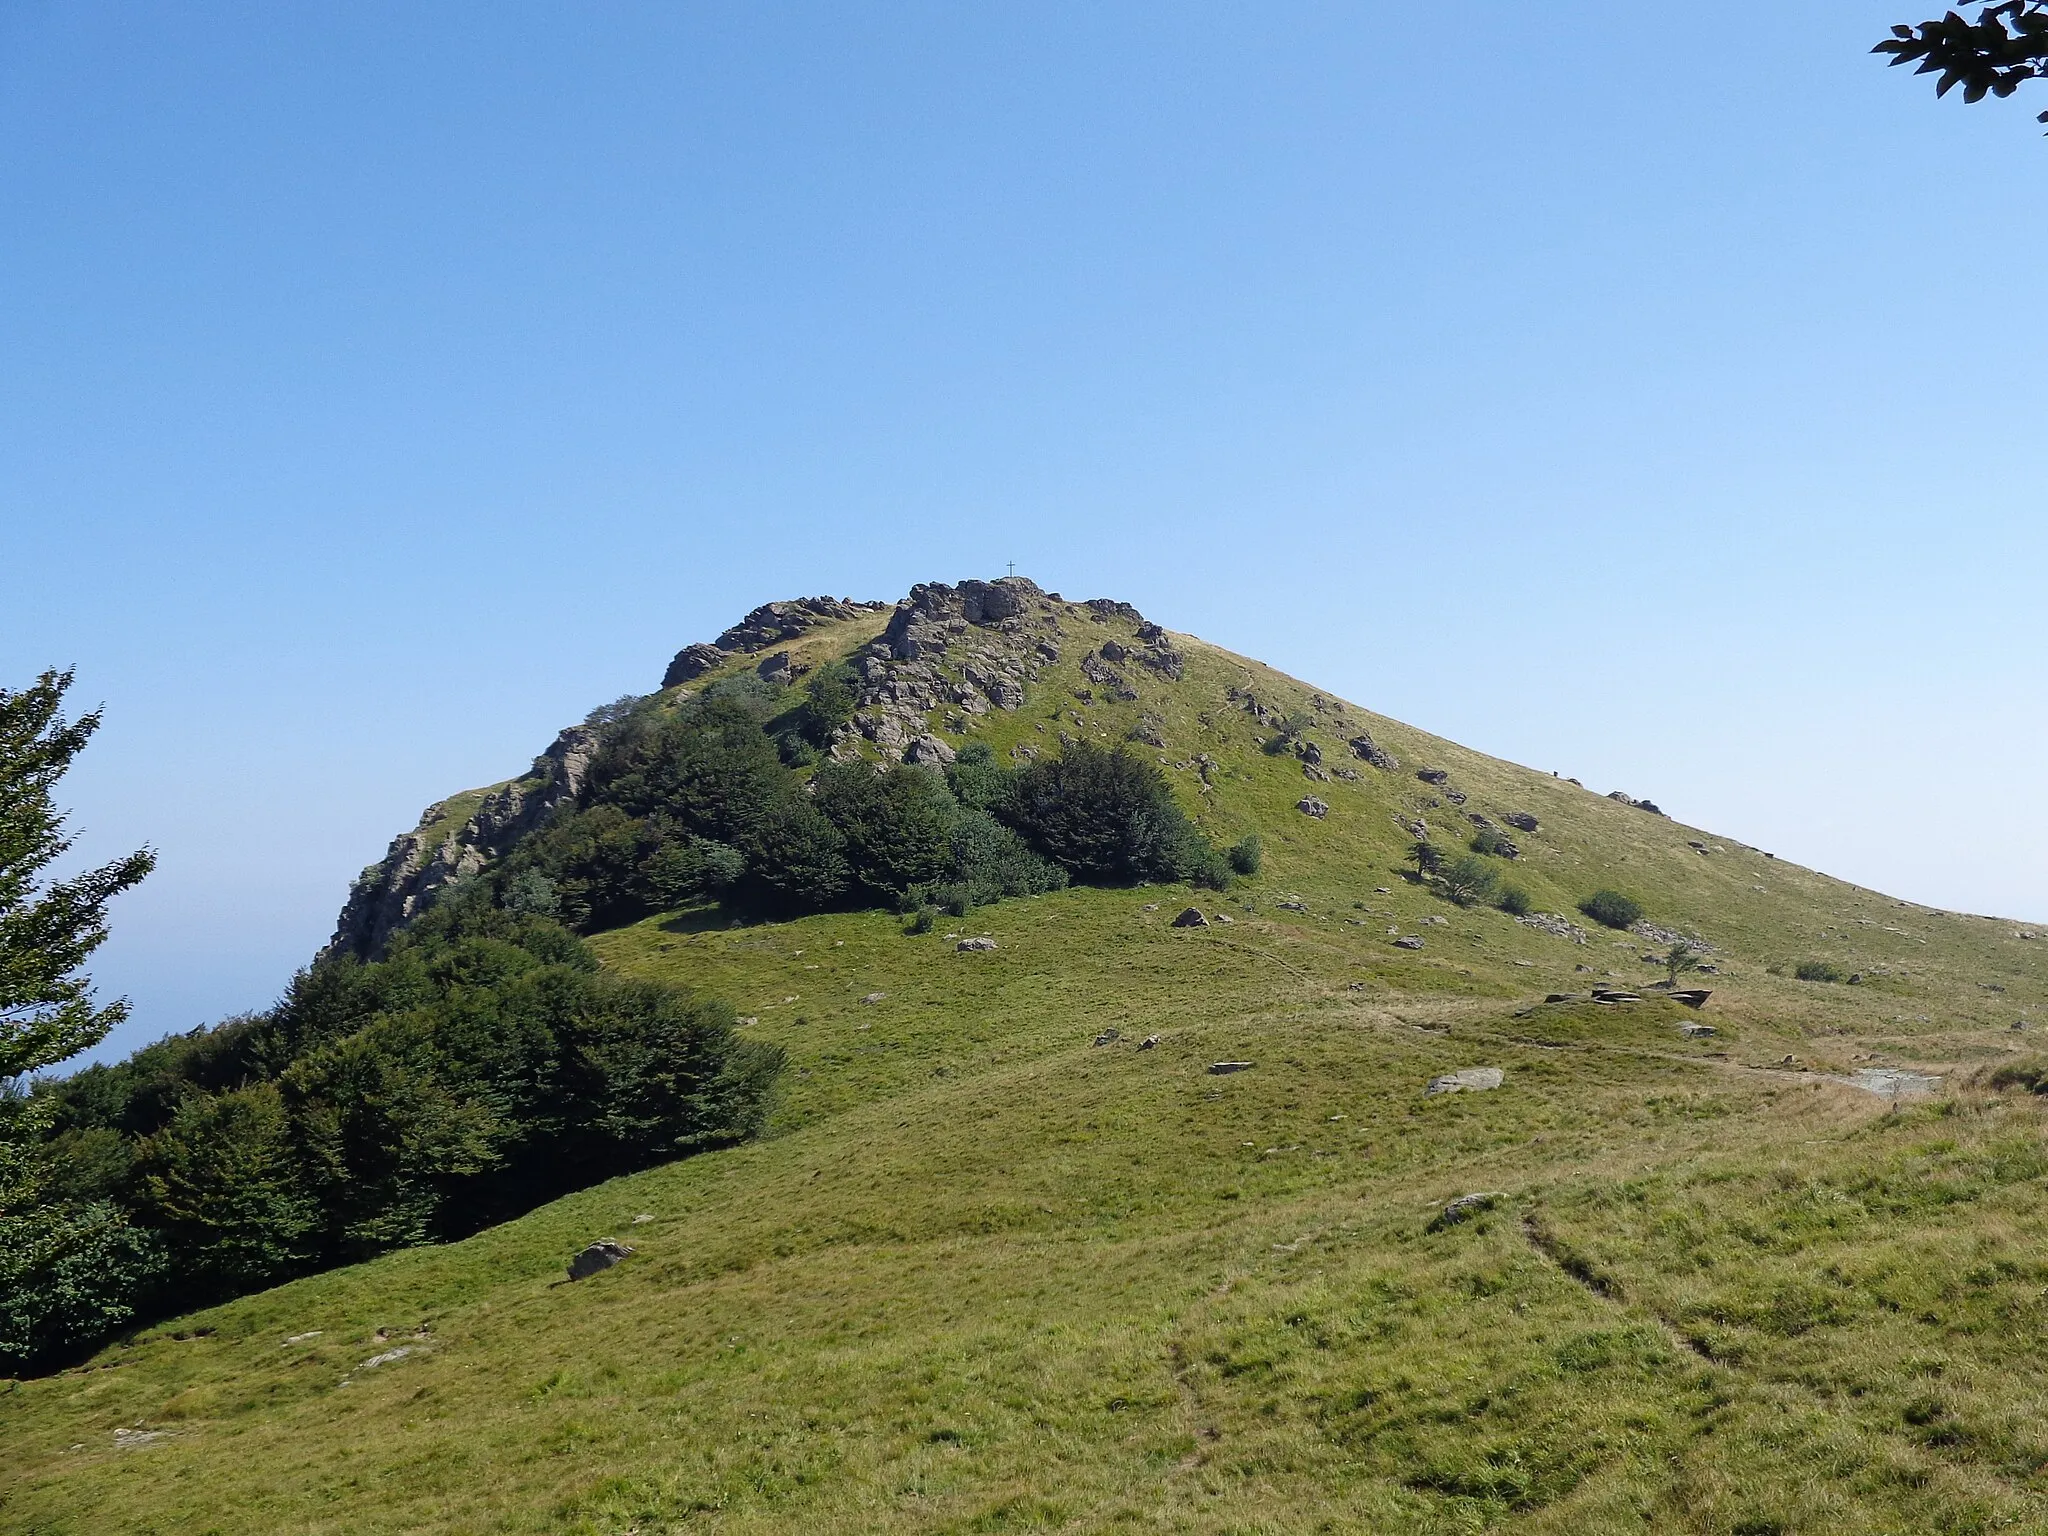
[1106, 816]
[1612, 909]
[1819, 970]
[1247, 854]
[1469, 880]
[920, 921]
[1513, 900]
[1487, 841]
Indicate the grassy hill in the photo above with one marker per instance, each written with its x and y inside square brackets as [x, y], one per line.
[992, 1271]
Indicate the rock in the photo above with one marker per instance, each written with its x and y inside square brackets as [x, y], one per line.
[1225, 917]
[1612, 995]
[928, 749]
[874, 997]
[1434, 921]
[1150, 1042]
[1362, 747]
[1433, 775]
[1291, 905]
[1100, 672]
[776, 669]
[1464, 1208]
[1410, 942]
[1315, 774]
[135, 1439]
[976, 945]
[1108, 1037]
[1191, 918]
[1696, 1031]
[1562, 997]
[1164, 660]
[602, 1254]
[1150, 906]
[1309, 752]
[1521, 821]
[1692, 997]
[1225, 1068]
[1470, 1080]
[1455, 796]
[1309, 805]
[1112, 652]
[691, 663]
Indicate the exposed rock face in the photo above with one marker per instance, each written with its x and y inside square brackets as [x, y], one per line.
[390, 894]
[1432, 775]
[1309, 805]
[1521, 821]
[1191, 918]
[1471, 1080]
[770, 624]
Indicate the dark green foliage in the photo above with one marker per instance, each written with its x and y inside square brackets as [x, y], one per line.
[1513, 900]
[897, 825]
[830, 694]
[1108, 817]
[920, 921]
[71, 1275]
[1612, 909]
[1490, 842]
[485, 1065]
[1426, 857]
[977, 779]
[1993, 54]
[1678, 960]
[1247, 854]
[1469, 880]
[47, 931]
[1819, 970]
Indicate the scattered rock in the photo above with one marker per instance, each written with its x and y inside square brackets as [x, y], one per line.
[1291, 905]
[1150, 1042]
[776, 669]
[1108, 1037]
[1191, 918]
[1697, 1031]
[135, 1439]
[1613, 995]
[391, 1356]
[1891, 1083]
[1455, 796]
[1692, 997]
[1521, 821]
[1470, 1080]
[600, 1255]
[874, 997]
[1225, 1068]
[1434, 921]
[1365, 751]
[1562, 997]
[928, 749]
[1150, 906]
[1113, 652]
[1309, 805]
[643, 1218]
[977, 944]
[1410, 942]
[300, 1338]
[1552, 923]
[1225, 917]
[1433, 775]
[1314, 774]
[1465, 1207]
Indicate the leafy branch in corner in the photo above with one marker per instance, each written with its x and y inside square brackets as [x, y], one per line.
[2006, 45]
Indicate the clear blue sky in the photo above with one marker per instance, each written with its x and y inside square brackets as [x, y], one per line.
[1652, 393]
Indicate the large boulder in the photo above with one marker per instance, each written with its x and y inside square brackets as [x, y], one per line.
[600, 1255]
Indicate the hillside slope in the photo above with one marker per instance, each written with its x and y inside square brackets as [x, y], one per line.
[1003, 1265]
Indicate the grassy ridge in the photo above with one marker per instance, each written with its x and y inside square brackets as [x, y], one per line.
[988, 1276]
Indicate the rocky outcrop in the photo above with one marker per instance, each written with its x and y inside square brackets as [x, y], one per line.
[1366, 751]
[771, 624]
[391, 893]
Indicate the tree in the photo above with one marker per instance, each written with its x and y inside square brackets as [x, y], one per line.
[1678, 959]
[1992, 55]
[1426, 857]
[1470, 879]
[47, 931]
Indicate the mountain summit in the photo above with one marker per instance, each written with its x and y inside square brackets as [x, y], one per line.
[1204, 1104]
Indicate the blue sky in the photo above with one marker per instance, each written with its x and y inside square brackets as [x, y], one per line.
[1648, 397]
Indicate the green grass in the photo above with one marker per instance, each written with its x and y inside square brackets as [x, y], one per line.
[984, 1276]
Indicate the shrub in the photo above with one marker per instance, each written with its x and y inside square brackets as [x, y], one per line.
[1612, 909]
[1109, 817]
[920, 921]
[1469, 880]
[1247, 854]
[830, 694]
[1513, 900]
[1487, 841]
[1426, 857]
[1819, 970]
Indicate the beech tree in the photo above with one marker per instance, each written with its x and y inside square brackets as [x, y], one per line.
[1991, 54]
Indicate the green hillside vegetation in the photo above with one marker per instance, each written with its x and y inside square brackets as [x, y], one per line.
[1008, 1255]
